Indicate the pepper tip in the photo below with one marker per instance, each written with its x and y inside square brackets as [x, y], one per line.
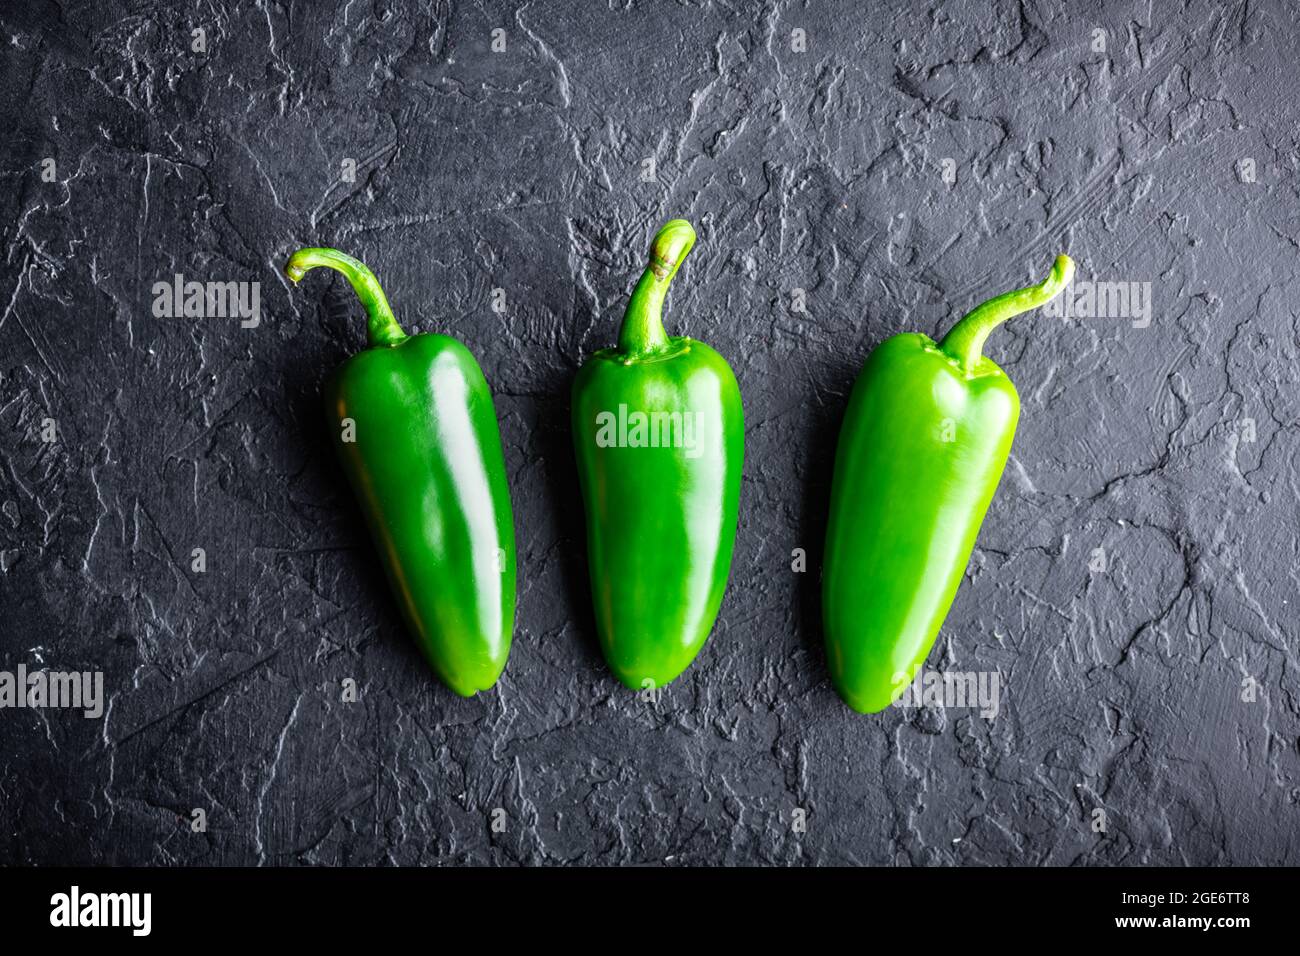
[670, 246]
[1062, 271]
[294, 270]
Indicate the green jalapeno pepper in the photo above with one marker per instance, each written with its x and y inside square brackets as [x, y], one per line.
[413, 421]
[659, 436]
[922, 448]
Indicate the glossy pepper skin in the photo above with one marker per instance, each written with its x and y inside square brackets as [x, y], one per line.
[412, 419]
[661, 500]
[922, 448]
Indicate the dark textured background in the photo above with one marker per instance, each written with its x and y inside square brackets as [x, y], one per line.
[521, 171]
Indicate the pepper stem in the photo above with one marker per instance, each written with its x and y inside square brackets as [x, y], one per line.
[643, 324]
[382, 326]
[965, 340]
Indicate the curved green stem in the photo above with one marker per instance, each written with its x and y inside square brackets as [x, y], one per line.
[643, 324]
[965, 340]
[382, 326]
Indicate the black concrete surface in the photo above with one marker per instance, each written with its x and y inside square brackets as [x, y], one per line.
[1134, 586]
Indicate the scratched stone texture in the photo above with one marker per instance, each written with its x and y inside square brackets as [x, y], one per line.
[1163, 149]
